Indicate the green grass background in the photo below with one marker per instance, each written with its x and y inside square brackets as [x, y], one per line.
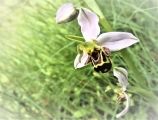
[37, 76]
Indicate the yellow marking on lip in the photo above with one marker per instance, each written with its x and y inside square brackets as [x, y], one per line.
[102, 62]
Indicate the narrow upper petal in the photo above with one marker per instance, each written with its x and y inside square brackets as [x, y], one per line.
[89, 24]
[122, 76]
[77, 64]
[117, 40]
[126, 108]
[66, 13]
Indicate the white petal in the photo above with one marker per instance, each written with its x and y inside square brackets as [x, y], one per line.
[117, 40]
[89, 24]
[66, 13]
[77, 64]
[122, 76]
[126, 108]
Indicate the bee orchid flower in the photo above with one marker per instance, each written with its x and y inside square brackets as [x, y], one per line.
[122, 76]
[97, 48]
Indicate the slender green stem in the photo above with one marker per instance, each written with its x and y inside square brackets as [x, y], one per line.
[105, 24]
[130, 62]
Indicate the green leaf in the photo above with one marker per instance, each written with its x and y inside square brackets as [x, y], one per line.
[75, 38]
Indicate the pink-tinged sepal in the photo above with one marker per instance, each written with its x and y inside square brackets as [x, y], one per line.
[89, 23]
[116, 41]
[80, 61]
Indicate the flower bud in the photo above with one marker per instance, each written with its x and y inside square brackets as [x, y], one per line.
[66, 13]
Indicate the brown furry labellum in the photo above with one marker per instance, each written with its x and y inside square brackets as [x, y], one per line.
[100, 60]
[120, 99]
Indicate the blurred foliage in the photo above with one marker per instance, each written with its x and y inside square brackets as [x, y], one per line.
[37, 77]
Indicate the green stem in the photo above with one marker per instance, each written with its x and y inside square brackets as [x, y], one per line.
[105, 24]
[130, 62]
